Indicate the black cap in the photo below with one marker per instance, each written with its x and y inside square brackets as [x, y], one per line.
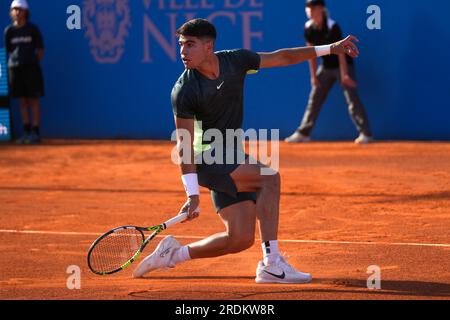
[311, 3]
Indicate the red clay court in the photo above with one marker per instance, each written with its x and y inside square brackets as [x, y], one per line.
[343, 208]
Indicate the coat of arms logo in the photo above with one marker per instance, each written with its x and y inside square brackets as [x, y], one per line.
[107, 24]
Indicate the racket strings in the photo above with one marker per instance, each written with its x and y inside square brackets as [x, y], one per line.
[113, 251]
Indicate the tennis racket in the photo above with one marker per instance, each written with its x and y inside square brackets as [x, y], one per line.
[120, 247]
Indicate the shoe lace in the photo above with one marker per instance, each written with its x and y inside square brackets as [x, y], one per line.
[283, 260]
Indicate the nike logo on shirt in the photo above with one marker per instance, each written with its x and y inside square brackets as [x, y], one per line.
[279, 276]
[220, 86]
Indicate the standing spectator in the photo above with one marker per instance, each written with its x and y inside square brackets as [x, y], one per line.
[320, 30]
[25, 48]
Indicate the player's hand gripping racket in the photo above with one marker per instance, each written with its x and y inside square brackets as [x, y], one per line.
[118, 248]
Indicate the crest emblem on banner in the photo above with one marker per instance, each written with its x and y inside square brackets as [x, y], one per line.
[107, 24]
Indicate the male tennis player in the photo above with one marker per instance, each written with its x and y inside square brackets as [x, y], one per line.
[210, 90]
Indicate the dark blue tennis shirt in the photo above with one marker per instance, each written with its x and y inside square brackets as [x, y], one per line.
[217, 104]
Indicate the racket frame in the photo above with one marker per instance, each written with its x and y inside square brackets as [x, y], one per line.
[156, 230]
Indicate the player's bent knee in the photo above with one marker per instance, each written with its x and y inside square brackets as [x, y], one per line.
[241, 244]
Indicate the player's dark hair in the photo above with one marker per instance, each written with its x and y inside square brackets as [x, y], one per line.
[199, 28]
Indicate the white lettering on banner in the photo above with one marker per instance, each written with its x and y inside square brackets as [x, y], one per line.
[169, 46]
[74, 20]
[3, 130]
[374, 21]
[247, 32]
[242, 14]
[201, 4]
[108, 24]
[229, 4]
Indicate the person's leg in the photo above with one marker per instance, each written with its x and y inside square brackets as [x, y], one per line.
[248, 178]
[317, 97]
[240, 222]
[34, 85]
[274, 268]
[36, 118]
[356, 108]
[26, 121]
[25, 111]
[36, 111]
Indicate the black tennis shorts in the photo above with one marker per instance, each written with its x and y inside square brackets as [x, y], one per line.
[26, 81]
[217, 178]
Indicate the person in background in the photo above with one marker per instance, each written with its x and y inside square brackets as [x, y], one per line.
[25, 48]
[320, 30]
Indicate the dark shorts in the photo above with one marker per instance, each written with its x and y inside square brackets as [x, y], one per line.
[217, 178]
[26, 82]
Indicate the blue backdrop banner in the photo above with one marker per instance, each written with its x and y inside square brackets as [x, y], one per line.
[5, 129]
[3, 74]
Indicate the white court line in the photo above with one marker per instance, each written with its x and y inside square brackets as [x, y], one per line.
[61, 233]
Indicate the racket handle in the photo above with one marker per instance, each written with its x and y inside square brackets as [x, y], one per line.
[175, 220]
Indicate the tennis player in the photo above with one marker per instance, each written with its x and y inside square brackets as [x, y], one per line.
[210, 91]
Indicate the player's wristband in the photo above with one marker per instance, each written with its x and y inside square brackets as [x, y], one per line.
[190, 182]
[323, 50]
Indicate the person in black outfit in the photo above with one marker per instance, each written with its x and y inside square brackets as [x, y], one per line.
[319, 30]
[24, 47]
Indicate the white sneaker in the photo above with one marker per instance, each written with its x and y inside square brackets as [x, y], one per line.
[297, 137]
[363, 139]
[280, 272]
[159, 259]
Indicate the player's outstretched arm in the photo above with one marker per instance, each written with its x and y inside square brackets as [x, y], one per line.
[290, 56]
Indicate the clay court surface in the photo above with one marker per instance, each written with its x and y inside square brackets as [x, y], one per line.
[343, 209]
